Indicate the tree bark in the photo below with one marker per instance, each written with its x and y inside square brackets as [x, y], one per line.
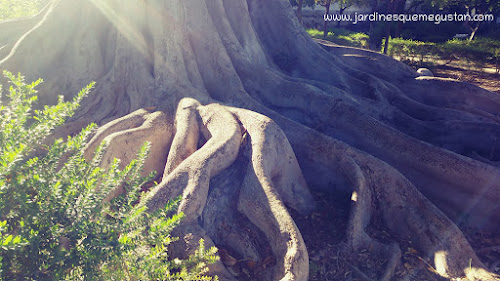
[299, 10]
[341, 12]
[327, 12]
[246, 114]
[391, 5]
[473, 31]
[371, 32]
[472, 26]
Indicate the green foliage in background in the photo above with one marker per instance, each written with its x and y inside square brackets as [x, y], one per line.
[478, 52]
[411, 49]
[18, 8]
[54, 224]
[342, 37]
[309, 3]
[430, 32]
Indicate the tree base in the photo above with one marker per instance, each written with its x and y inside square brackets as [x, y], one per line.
[238, 177]
[415, 156]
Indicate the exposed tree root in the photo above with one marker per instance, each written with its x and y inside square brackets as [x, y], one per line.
[123, 137]
[361, 212]
[237, 84]
[274, 180]
[380, 190]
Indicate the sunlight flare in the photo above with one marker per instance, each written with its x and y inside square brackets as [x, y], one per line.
[440, 262]
[123, 24]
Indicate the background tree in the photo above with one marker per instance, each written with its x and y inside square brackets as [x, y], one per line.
[300, 4]
[344, 5]
[245, 113]
[472, 7]
[327, 12]
[476, 7]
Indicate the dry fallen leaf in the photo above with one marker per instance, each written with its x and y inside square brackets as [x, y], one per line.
[269, 261]
[226, 258]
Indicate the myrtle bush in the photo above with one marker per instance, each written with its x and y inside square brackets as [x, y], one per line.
[54, 222]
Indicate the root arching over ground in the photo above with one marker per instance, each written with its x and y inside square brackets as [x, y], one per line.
[247, 115]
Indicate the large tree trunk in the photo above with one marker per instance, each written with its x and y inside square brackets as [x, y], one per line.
[245, 111]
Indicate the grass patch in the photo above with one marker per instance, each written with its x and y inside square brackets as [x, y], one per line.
[480, 52]
[342, 37]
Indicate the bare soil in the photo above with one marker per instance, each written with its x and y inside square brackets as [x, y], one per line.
[487, 80]
[324, 230]
[323, 233]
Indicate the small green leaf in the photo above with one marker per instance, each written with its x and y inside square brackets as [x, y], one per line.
[16, 240]
[7, 240]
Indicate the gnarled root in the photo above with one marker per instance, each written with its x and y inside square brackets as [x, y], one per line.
[123, 137]
[380, 191]
[270, 181]
[274, 178]
[361, 213]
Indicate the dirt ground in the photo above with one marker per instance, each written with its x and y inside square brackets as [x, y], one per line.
[488, 80]
[323, 233]
[324, 230]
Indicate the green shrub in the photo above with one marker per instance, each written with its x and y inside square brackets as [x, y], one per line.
[342, 37]
[53, 222]
[464, 49]
[315, 33]
[357, 39]
[408, 49]
[430, 32]
[478, 52]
